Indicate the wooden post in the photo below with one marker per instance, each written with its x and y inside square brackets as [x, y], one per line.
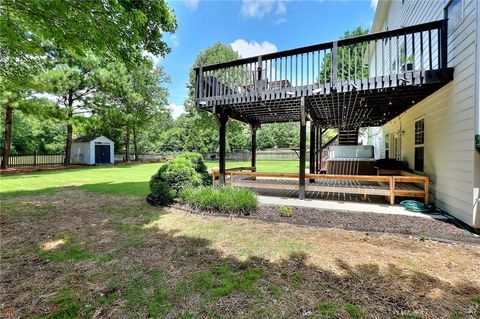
[426, 189]
[319, 149]
[200, 83]
[253, 130]
[35, 158]
[222, 121]
[392, 191]
[303, 146]
[443, 43]
[312, 150]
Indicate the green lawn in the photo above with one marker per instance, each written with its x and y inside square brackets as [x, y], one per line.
[119, 179]
[108, 256]
[102, 255]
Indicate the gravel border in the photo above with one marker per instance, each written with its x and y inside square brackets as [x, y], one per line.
[444, 230]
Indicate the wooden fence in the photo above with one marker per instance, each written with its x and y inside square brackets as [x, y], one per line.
[57, 159]
[35, 160]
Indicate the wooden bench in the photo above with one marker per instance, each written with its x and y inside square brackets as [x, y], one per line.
[216, 172]
[404, 184]
[408, 184]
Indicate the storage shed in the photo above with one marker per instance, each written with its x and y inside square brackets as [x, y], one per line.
[92, 150]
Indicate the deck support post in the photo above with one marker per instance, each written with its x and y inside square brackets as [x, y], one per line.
[313, 128]
[319, 150]
[222, 119]
[253, 130]
[303, 146]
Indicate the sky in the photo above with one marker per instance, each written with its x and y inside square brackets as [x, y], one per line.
[253, 27]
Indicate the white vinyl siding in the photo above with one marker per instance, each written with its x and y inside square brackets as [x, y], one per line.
[448, 113]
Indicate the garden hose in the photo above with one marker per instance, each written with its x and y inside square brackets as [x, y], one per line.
[415, 206]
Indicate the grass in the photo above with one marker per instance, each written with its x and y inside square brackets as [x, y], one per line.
[100, 255]
[226, 200]
[119, 179]
[63, 250]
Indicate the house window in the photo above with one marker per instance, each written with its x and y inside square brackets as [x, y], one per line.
[396, 152]
[419, 145]
[454, 13]
[387, 146]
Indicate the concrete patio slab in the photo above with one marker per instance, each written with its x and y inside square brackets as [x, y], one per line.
[345, 206]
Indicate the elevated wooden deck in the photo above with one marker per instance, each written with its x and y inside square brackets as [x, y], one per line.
[360, 81]
[346, 84]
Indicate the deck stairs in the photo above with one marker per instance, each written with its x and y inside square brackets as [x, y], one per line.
[348, 136]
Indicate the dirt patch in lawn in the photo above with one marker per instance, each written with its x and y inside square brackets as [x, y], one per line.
[77, 254]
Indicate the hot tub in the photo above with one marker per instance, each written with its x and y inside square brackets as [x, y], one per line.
[351, 160]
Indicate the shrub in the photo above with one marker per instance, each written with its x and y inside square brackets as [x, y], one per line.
[199, 166]
[227, 200]
[161, 193]
[178, 174]
[286, 211]
[187, 170]
[196, 159]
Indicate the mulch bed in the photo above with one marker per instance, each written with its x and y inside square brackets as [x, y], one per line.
[424, 228]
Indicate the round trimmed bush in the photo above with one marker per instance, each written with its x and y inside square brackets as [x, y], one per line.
[199, 166]
[196, 159]
[180, 173]
[161, 193]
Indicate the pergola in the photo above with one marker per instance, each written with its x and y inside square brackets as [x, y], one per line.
[346, 84]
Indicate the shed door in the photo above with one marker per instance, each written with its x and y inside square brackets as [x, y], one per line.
[102, 154]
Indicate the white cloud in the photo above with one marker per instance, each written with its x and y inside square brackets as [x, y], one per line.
[280, 21]
[281, 9]
[154, 58]
[191, 4]
[260, 8]
[174, 40]
[176, 110]
[373, 4]
[253, 48]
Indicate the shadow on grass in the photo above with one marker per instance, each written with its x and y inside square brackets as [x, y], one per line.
[166, 274]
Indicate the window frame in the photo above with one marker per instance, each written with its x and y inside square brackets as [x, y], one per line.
[386, 143]
[420, 145]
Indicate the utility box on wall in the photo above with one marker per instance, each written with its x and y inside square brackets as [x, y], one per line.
[92, 150]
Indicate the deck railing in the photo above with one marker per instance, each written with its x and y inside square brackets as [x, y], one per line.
[339, 65]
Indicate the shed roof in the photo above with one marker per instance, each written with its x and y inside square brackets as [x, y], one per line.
[86, 138]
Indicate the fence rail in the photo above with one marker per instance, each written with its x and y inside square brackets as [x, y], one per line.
[57, 159]
[35, 160]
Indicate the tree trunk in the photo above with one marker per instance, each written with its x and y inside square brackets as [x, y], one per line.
[127, 145]
[68, 142]
[7, 135]
[135, 146]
